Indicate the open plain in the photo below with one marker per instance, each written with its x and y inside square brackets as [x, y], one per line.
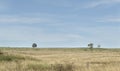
[59, 59]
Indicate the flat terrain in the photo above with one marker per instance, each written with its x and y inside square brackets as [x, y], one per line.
[56, 59]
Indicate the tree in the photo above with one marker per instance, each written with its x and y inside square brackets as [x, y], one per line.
[34, 45]
[90, 45]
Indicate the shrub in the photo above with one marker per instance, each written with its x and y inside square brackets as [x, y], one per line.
[90, 45]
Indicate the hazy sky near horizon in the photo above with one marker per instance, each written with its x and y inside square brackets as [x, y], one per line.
[60, 23]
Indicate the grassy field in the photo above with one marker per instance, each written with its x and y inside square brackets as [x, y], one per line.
[56, 59]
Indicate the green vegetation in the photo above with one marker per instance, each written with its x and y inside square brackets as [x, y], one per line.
[10, 58]
[1, 52]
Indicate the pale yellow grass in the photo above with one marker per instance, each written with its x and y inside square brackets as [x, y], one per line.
[82, 60]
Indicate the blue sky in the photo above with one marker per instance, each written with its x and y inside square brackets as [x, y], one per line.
[60, 23]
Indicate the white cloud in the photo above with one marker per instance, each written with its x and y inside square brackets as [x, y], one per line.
[99, 3]
[112, 20]
[21, 33]
[76, 5]
[105, 36]
[7, 19]
[109, 19]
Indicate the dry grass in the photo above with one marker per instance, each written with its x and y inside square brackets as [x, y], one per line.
[25, 59]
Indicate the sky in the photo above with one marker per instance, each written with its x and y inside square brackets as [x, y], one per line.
[60, 23]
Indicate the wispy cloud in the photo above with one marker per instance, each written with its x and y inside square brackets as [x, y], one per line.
[98, 3]
[76, 5]
[18, 33]
[7, 19]
[63, 22]
[109, 19]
